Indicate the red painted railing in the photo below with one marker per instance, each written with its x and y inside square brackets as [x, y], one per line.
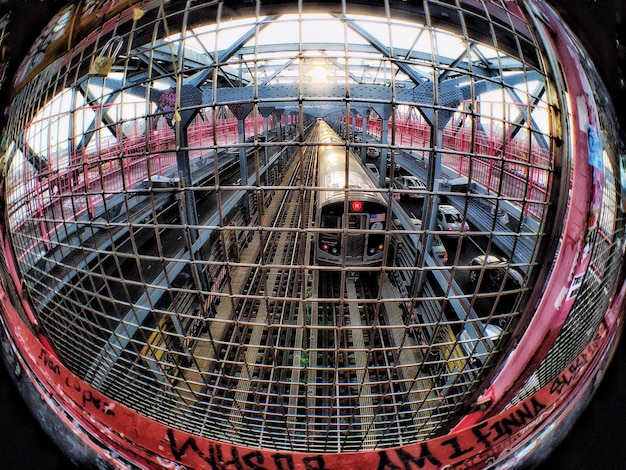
[513, 169]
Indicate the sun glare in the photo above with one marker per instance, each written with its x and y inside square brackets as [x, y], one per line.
[318, 74]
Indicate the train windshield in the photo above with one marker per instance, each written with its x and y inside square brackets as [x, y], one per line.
[331, 221]
[357, 221]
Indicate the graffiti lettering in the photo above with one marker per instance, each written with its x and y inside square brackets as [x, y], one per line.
[478, 432]
[488, 434]
[406, 458]
[97, 403]
[510, 424]
[314, 463]
[179, 453]
[89, 398]
[385, 462]
[594, 346]
[563, 381]
[75, 385]
[216, 458]
[278, 458]
[471, 447]
[425, 454]
[456, 447]
[49, 362]
[578, 364]
[559, 384]
[468, 447]
[253, 460]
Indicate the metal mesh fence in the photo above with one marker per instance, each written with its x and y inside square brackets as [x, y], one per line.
[186, 254]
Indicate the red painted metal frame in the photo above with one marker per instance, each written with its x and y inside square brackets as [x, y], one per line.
[572, 259]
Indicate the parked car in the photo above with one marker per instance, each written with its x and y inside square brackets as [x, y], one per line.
[438, 249]
[496, 268]
[416, 186]
[449, 219]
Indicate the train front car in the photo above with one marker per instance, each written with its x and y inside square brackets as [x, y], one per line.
[351, 213]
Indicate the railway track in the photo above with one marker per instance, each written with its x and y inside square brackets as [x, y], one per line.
[268, 287]
[253, 339]
[329, 368]
[364, 365]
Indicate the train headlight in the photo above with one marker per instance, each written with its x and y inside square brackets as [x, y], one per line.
[375, 249]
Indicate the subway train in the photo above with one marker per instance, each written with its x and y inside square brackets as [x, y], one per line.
[351, 213]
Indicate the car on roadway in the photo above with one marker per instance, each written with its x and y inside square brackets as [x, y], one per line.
[450, 220]
[437, 248]
[414, 186]
[498, 274]
[396, 166]
[373, 152]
